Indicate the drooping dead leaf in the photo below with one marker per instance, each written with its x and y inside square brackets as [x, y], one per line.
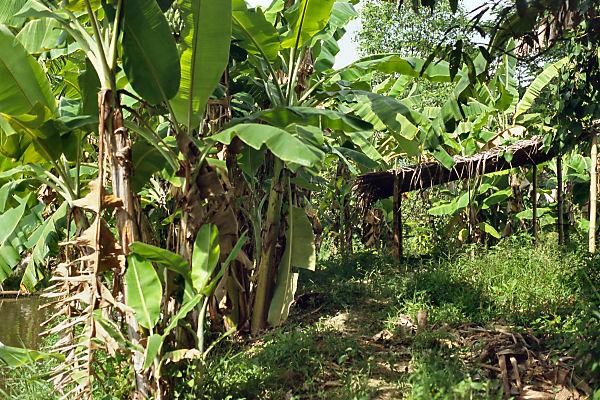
[111, 255]
[90, 201]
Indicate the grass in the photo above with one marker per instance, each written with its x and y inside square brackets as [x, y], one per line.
[332, 346]
[34, 382]
[350, 335]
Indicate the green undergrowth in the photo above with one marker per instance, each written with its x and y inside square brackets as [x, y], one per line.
[331, 347]
[35, 382]
[351, 334]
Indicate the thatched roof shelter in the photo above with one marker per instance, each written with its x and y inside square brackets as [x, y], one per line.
[379, 185]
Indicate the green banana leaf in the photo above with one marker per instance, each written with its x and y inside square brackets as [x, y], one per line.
[80, 5]
[40, 35]
[24, 86]
[281, 143]
[300, 253]
[506, 81]
[452, 207]
[322, 118]
[153, 346]
[254, 33]
[205, 256]
[10, 219]
[387, 112]
[9, 10]
[150, 57]
[43, 243]
[144, 290]
[397, 64]
[9, 258]
[166, 259]
[16, 356]
[204, 56]
[539, 83]
[305, 19]
[490, 230]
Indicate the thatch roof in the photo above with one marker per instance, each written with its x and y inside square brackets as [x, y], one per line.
[380, 185]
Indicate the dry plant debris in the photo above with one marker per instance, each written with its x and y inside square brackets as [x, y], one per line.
[526, 369]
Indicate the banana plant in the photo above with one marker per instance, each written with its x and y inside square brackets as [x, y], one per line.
[295, 93]
[133, 37]
[147, 279]
[290, 50]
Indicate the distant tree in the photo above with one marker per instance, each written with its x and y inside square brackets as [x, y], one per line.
[387, 28]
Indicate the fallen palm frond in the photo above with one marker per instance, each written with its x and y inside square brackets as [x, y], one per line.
[379, 185]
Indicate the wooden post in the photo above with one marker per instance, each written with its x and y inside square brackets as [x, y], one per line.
[400, 230]
[397, 210]
[559, 199]
[534, 224]
[593, 195]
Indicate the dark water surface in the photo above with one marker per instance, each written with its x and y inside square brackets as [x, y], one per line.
[20, 321]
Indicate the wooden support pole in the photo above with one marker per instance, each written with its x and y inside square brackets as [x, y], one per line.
[534, 220]
[400, 231]
[593, 195]
[397, 211]
[559, 199]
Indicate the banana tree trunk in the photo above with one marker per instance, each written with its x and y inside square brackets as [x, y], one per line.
[593, 194]
[267, 266]
[118, 148]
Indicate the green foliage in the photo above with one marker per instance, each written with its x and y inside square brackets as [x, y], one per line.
[16, 357]
[10, 219]
[539, 83]
[258, 35]
[281, 143]
[204, 56]
[24, 88]
[205, 256]
[144, 291]
[150, 57]
[387, 28]
[39, 35]
[299, 253]
[162, 257]
[305, 19]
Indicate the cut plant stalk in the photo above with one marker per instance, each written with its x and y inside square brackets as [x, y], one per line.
[559, 200]
[534, 220]
[593, 194]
